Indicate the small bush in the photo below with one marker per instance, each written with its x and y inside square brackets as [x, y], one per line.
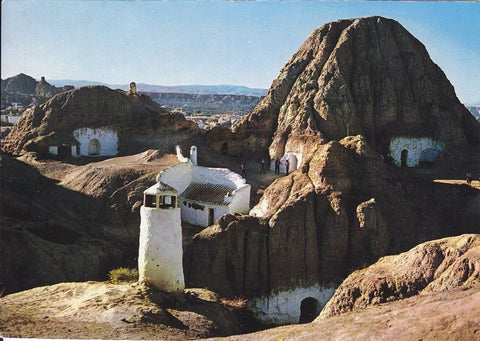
[123, 275]
[235, 303]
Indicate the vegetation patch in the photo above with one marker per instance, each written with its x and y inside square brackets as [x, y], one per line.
[123, 275]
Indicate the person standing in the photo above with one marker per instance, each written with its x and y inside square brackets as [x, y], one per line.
[277, 166]
[287, 166]
[262, 166]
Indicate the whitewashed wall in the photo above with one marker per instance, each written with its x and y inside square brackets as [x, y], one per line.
[217, 176]
[240, 200]
[107, 137]
[200, 217]
[178, 176]
[416, 147]
[160, 250]
[10, 118]
[284, 307]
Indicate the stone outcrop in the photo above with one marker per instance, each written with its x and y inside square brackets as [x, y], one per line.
[436, 266]
[366, 76]
[24, 84]
[140, 123]
[49, 234]
[20, 83]
[106, 310]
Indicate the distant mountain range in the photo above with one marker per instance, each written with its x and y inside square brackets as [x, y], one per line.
[184, 89]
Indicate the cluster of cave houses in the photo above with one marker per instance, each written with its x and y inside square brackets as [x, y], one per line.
[404, 151]
[200, 195]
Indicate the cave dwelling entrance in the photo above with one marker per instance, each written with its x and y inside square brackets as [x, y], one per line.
[309, 310]
[94, 147]
[404, 158]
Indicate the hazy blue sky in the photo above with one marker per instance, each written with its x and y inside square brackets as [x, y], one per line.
[192, 42]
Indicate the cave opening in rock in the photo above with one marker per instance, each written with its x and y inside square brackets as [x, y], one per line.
[309, 309]
[404, 158]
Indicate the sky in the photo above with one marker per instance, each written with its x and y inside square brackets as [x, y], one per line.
[213, 42]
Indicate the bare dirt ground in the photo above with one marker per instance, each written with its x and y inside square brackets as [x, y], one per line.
[103, 310]
[97, 310]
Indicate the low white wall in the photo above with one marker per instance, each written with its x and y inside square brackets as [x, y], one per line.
[416, 147]
[74, 151]
[107, 137]
[284, 307]
[160, 249]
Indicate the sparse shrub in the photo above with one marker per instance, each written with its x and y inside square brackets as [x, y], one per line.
[234, 303]
[123, 275]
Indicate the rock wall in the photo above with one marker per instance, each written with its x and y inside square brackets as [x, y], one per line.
[342, 209]
[434, 266]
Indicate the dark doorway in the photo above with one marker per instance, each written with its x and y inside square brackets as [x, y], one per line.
[211, 214]
[224, 149]
[64, 152]
[94, 147]
[404, 158]
[309, 309]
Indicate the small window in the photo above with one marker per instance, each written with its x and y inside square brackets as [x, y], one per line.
[150, 201]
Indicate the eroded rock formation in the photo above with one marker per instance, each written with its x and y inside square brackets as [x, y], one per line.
[365, 76]
[342, 209]
[435, 266]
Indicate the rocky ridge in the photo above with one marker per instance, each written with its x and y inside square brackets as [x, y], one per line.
[343, 209]
[23, 88]
[435, 266]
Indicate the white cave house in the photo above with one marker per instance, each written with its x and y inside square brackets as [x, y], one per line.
[96, 141]
[206, 193]
[411, 151]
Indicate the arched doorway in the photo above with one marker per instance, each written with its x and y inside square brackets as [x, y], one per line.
[94, 147]
[404, 158]
[309, 310]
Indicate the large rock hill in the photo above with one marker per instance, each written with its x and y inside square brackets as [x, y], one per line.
[351, 88]
[140, 123]
[366, 76]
